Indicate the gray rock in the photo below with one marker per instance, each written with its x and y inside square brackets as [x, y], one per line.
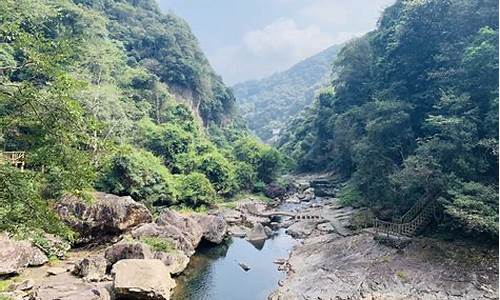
[176, 261]
[127, 250]
[25, 285]
[176, 235]
[56, 271]
[237, 231]
[257, 233]
[214, 228]
[142, 279]
[107, 215]
[68, 287]
[17, 255]
[188, 226]
[91, 268]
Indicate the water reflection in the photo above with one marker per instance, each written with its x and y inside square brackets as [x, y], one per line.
[214, 272]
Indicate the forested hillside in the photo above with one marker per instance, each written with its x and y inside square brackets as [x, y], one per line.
[115, 96]
[268, 103]
[412, 113]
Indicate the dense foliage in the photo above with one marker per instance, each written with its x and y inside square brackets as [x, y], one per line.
[113, 95]
[267, 104]
[412, 113]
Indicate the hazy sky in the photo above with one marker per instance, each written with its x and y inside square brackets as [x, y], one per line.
[250, 39]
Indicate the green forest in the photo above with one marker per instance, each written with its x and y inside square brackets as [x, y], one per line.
[411, 114]
[115, 96]
[268, 103]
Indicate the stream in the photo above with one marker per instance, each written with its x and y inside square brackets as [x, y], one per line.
[214, 272]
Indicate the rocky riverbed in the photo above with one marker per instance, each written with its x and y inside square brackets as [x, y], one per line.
[125, 252]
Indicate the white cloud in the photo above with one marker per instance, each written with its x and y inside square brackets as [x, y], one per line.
[275, 47]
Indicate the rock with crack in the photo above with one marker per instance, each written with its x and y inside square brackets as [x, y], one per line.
[214, 228]
[107, 215]
[142, 279]
[91, 268]
[15, 256]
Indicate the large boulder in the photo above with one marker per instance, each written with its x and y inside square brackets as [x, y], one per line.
[169, 232]
[107, 215]
[127, 250]
[214, 228]
[257, 233]
[17, 255]
[187, 225]
[142, 279]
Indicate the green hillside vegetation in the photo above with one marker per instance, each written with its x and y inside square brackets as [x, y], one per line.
[91, 90]
[412, 113]
[267, 104]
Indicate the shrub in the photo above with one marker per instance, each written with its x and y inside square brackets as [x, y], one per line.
[141, 175]
[219, 172]
[158, 243]
[22, 209]
[246, 176]
[195, 190]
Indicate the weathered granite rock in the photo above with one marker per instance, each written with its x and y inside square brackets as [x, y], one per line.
[127, 250]
[142, 279]
[91, 268]
[257, 233]
[107, 215]
[17, 255]
[188, 226]
[176, 261]
[302, 229]
[214, 228]
[170, 232]
[68, 287]
[237, 231]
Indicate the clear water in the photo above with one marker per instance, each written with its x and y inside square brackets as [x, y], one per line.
[214, 272]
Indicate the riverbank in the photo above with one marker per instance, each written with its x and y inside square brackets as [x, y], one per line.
[302, 245]
[337, 259]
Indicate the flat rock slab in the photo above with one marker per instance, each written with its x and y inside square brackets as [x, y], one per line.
[142, 279]
[68, 287]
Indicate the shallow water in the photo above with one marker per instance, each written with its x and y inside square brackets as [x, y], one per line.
[214, 273]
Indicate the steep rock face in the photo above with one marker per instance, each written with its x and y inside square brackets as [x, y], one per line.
[107, 215]
[176, 58]
[142, 279]
[15, 256]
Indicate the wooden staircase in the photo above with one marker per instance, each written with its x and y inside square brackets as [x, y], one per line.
[414, 220]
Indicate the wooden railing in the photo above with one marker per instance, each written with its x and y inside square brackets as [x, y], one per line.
[407, 228]
[15, 158]
[413, 211]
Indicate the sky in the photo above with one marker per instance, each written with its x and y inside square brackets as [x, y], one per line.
[252, 39]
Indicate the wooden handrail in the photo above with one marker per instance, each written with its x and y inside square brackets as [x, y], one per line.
[16, 158]
[407, 228]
